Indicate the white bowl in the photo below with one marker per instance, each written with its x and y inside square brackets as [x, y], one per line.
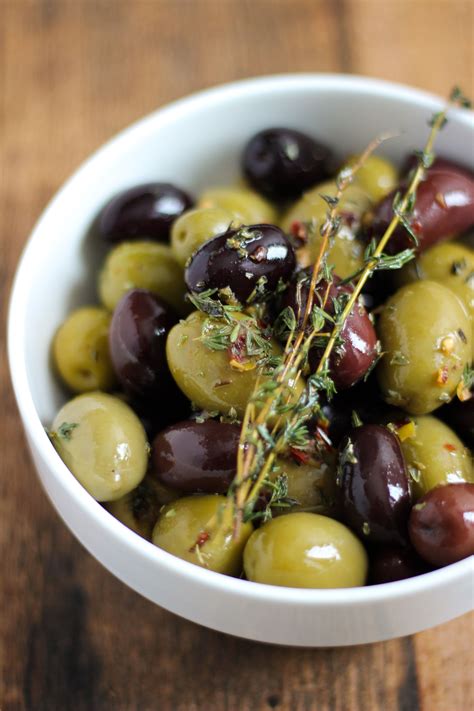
[197, 142]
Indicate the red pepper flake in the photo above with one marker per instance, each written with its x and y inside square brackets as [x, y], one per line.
[449, 447]
[416, 226]
[265, 333]
[299, 456]
[200, 541]
[299, 231]
[442, 375]
[238, 349]
[348, 217]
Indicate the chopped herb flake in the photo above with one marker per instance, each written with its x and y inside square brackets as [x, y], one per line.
[66, 429]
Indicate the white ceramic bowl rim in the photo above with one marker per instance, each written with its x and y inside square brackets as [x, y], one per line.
[16, 350]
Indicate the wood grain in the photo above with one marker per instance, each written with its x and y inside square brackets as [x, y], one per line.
[73, 72]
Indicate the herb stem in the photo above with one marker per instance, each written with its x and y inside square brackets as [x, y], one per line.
[267, 445]
[245, 491]
[368, 269]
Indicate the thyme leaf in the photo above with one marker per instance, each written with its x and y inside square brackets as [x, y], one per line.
[438, 118]
[66, 429]
[468, 376]
[403, 209]
[458, 97]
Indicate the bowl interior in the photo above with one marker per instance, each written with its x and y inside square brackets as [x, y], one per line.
[197, 143]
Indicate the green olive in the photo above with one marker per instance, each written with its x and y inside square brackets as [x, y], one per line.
[142, 265]
[181, 523]
[377, 176]
[435, 455]
[197, 226]
[311, 485]
[305, 550]
[81, 350]
[450, 264]
[103, 443]
[312, 208]
[140, 508]
[425, 335]
[210, 378]
[245, 205]
[347, 252]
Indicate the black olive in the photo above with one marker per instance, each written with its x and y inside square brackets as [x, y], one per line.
[281, 163]
[391, 563]
[444, 206]
[143, 212]
[375, 492]
[442, 524]
[250, 261]
[460, 416]
[196, 456]
[137, 337]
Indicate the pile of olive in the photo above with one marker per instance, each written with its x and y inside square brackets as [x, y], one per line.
[387, 489]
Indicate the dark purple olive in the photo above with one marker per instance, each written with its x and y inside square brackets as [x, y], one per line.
[460, 416]
[444, 207]
[281, 163]
[374, 481]
[196, 456]
[250, 261]
[350, 361]
[442, 524]
[143, 212]
[166, 408]
[137, 338]
[391, 563]
[378, 288]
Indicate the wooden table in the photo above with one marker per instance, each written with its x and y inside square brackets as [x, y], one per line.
[73, 72]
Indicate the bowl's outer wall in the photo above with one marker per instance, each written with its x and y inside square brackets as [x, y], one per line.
[197, 143]
[227, 610]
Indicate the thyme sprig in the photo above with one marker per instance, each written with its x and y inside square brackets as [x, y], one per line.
[261, 442]
[275, 419]
[253, 470]
[381, 261]
[403, 209]
[228, 328]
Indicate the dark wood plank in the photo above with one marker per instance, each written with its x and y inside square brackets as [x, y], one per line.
[72, 72]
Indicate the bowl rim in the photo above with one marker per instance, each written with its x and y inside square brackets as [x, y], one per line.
[437, 579]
